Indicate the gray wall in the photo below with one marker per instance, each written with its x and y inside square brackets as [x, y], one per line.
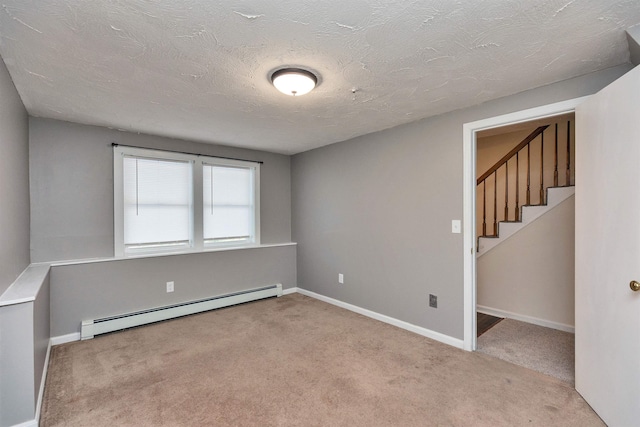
[71, 169]
[532, 272]
[17, 365]
[17, 391]
[41, 331]
[14, 182]
[378, 209]
[93, 290]
[24, 340]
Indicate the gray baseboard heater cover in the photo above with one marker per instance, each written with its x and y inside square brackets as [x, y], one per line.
[91, 328]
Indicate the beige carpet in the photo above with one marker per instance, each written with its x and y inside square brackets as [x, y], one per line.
[294, 361]
[542, 349]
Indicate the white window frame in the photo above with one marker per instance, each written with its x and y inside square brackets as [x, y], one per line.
[197, 239]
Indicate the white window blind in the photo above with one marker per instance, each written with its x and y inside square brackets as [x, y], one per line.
[180, 202]
[158, 203]
[228, 204]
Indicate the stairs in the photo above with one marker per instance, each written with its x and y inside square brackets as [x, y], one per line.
[528, 214]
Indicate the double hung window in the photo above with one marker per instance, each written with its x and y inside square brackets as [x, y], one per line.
[174, 202]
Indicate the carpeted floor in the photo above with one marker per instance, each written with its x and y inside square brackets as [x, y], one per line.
[294, 361]
[542, 349]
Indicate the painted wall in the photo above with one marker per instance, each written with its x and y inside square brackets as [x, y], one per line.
[14, 182]
[94, 290]
[16, 365]
[41, 331]
[24, 341]
[490, 149]
[532, 272]
[378, 209]
[71, 169]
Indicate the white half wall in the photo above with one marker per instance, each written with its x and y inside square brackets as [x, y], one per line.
[532, 273]
[24, 346]
[95, 289]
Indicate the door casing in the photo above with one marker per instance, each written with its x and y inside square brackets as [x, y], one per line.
[469, 197]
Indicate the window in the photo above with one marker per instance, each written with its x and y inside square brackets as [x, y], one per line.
[228, 204]
[174, 202]
[158, 202]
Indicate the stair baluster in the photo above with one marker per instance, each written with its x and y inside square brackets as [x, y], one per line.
[504, 161]
[528, 174]
[517, 187]
[555, 171]
[506, 191]
[568, 180]
[541, 168]
[484, 208]
[495, 203]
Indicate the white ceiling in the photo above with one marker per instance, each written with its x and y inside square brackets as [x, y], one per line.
[197, 69]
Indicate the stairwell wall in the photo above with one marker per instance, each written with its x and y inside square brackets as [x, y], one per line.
[530, 276]
[493, 146]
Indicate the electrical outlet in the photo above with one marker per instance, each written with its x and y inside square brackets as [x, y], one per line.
[433, 301]
[169, 286]
[341, 278]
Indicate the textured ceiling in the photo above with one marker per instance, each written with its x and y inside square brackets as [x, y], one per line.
[197, 69]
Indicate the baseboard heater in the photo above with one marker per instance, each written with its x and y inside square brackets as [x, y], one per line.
[91, 328]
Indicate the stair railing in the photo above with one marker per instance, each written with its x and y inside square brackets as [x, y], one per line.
[503, 164]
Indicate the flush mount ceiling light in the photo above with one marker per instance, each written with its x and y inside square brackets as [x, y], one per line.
[294, 81]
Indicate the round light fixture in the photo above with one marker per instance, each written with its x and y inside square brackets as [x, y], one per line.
[294, 81]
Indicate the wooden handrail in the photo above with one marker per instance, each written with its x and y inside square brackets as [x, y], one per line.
[530, 166]
[511, 153]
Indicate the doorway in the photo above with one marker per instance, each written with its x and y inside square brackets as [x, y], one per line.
[469, 193]
[525, 222]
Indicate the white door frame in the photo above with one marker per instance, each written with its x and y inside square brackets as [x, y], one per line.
[469, 198]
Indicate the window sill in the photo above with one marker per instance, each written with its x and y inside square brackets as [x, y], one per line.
[158, 255]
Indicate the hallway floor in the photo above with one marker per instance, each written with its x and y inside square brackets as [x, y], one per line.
[545, 350]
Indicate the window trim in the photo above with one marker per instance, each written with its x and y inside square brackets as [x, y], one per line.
[197, 235]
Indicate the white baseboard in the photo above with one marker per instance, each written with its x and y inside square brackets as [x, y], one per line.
[289, 291]
[36, 421]
[30, 423]
[63, 339]
[528, 319]
[42, 384]
[446, 339]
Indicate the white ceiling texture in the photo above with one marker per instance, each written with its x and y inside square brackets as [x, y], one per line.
[198, 69]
